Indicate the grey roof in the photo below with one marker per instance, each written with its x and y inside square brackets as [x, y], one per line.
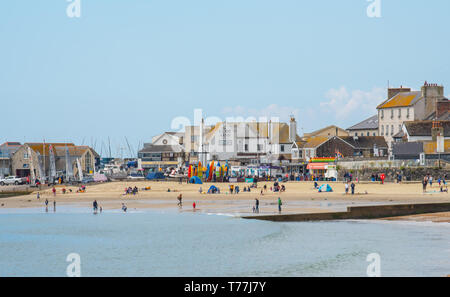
[151, 148]
[423, 128]
[407, 148]
[365, 142]
[368, 124]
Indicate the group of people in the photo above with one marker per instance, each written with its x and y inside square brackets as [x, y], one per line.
[428, 180]
[131, 191]
[256, 206]
[351, 186]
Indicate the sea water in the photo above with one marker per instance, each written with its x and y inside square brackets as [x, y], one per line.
[168, 243]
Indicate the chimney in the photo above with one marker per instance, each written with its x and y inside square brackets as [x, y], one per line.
[292, 129]
[436, 130]
[394, 91]
[432, 93]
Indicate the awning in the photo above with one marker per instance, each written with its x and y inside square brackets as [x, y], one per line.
[317, 166]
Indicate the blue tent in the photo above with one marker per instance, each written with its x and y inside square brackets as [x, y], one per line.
[325, 188]
[155, 175]
[212, 189]
[195, 180]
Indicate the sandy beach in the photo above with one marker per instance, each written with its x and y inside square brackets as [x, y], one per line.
[300, 197]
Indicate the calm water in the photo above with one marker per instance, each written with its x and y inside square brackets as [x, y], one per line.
[172, 244]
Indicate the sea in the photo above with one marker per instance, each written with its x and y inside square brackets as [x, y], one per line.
[171, 243]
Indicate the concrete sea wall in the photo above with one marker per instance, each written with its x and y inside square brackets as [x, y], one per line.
[359, 213]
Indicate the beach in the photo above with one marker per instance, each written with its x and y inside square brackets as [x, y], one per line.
[299, 197]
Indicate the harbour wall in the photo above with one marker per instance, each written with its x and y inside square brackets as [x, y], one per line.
[359, 213]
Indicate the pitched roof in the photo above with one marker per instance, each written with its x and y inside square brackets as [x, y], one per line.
[43, 148]
[74, 151]
[402, 99]
[367, 124]
[423, 128]
[314, 142]
[151, 148]
[318, 132]
[365, 142]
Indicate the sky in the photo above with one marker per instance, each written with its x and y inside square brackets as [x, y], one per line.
[127, 70]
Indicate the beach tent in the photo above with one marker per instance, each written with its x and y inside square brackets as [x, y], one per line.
[155, 175]
[211, 189]
[195, 180]
[325, 188]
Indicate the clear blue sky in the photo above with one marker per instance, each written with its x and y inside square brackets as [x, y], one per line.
[127, 68]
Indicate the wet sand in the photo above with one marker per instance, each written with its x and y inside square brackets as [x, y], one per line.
[300, 197]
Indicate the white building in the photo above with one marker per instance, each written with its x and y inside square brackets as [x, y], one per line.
[252, 142]
[405, 105]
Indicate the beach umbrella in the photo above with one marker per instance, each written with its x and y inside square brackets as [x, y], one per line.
[208, 168]
[200, 170]
[218, 169]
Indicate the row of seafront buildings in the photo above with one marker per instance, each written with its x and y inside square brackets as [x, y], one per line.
[409, 125]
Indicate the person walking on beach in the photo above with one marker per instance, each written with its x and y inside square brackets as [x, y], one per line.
[180, 200]
[346, 188]
[124, 207]
[38, 196]
[194, 205]
[54, 191]
[54, 206]
[353, 188]
[95, 206]
[46, 205]
[279, 205]
[430, 180]
[424, 184]
[256, 205]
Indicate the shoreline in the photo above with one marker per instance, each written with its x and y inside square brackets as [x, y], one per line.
[299, 198]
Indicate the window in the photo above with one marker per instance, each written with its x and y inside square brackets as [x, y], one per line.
[382, 130]
[282, 148]
[382, 113]
[259, 147]
[407, 113]
[392, 113]
[25, 156]
[392, 129]
[246, 147]
[374, 134]
[387, 130]
[399, 113]
[368, 133]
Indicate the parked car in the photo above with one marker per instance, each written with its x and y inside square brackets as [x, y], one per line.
[12, 180]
